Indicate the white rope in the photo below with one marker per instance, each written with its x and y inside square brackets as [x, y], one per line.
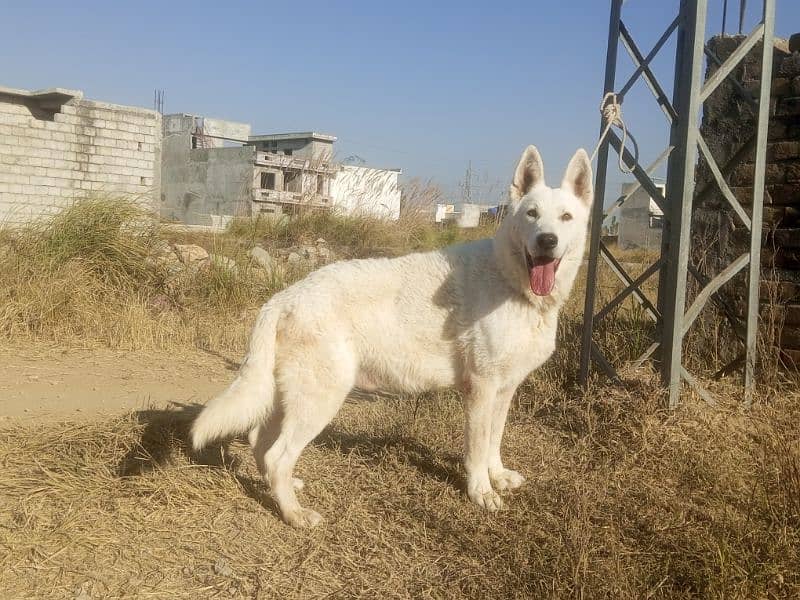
[612, 115]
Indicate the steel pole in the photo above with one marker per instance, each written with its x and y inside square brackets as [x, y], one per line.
[599, 198]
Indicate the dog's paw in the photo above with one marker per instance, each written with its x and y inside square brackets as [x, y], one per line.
[297, 483]
[485, 497]
[303, 518]
[506, 479]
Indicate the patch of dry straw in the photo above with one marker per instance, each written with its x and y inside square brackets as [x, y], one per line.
[623, 500]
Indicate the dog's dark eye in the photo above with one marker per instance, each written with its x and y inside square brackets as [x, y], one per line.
[533, 213]
[566, 217]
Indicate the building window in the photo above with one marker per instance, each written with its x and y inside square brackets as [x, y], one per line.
[656, 222]
[267, 181]
[288, 152]
[320, 185]
[292, 182]
[194, 142]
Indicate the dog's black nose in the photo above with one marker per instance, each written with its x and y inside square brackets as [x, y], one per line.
[547, 241]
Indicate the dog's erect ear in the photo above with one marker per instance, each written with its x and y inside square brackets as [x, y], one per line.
[578, 178]
[529, 173]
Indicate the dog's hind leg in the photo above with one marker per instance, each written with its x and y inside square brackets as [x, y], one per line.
[261, 439]
[298, 430]
[311, 397]
[478, 410]
[501, 478]
[263, 436]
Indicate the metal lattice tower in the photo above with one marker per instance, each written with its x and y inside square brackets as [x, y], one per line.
[674, 266]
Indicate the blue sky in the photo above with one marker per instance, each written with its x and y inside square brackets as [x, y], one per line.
[427, 87]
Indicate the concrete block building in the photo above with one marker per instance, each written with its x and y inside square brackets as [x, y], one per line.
[467, 214]
[316, 146]
[293, 169]
[56, 146]
[640, 219]
[214, 170]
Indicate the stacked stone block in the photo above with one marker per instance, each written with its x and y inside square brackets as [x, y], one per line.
[728, 124]
[50, 156]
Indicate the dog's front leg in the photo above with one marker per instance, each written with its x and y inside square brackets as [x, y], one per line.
[501, 478]
[478, 410]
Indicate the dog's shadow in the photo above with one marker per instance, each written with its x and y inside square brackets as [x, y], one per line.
[165, 436]
[439, 466]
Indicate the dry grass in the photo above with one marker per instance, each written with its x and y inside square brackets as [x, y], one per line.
[355, 236]
[88, 275]
[624, 499]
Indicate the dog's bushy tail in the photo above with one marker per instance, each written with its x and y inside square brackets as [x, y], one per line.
[250, 397]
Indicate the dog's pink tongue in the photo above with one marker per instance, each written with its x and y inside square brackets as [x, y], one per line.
[543, 276]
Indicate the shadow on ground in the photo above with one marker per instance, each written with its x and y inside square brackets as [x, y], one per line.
[165, 437]
[440, 466]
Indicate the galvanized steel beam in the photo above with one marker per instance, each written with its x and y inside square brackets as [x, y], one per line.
[672, 319]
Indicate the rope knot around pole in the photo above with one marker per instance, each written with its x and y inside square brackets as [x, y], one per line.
[611, 110]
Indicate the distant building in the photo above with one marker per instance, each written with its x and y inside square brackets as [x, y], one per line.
[366, 191]
[637, 222]
[292, 170]
[443, 212]
[316, 146]
[213, 170]
[467, 214]
[56, 146]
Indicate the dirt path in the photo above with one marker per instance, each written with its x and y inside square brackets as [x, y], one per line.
[50, 384]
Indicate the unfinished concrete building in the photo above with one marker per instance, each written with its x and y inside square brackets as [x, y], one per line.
[316, 146]
[56, 146]
[214, 170]
[293, 169]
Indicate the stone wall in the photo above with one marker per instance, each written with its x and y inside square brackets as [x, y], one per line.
[728, 125]
[56, 146]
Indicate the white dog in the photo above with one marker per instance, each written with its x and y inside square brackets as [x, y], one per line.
[479, 316]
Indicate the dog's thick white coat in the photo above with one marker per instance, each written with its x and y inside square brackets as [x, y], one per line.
[465, 316]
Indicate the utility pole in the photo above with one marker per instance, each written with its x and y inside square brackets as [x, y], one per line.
[466, 187]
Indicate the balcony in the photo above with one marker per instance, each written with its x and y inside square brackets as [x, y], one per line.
[283, 197]
[299, 163]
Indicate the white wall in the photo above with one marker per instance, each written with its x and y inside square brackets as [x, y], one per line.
[366, 191]
[470, 215]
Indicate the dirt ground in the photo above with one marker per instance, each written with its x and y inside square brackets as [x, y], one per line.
[40, 384]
